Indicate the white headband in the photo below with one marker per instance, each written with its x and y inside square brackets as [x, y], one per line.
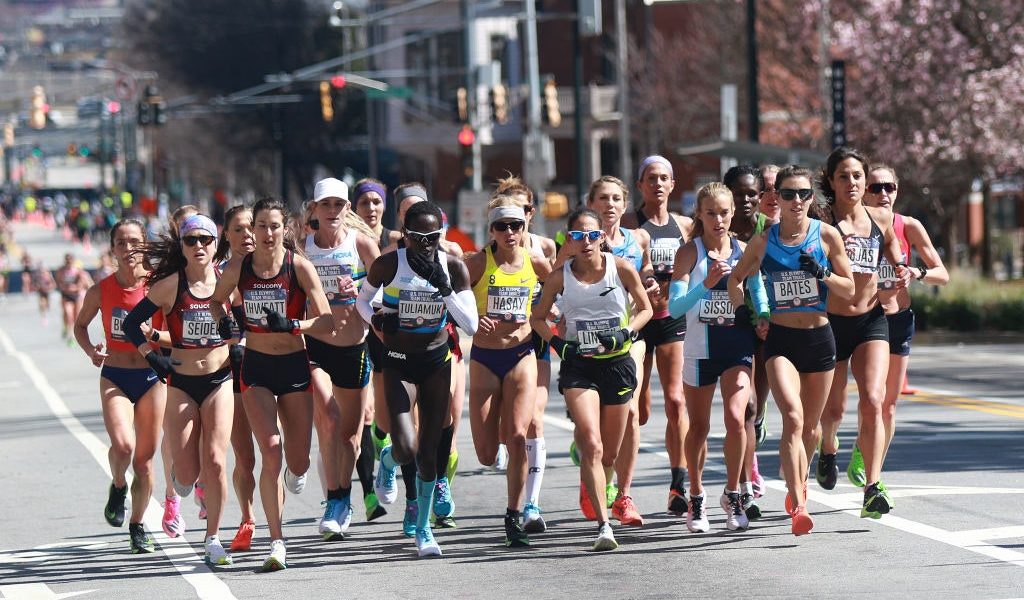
[516, 213]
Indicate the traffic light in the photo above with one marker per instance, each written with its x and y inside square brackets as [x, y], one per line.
[461, 105]
[326, 102]
[551, 113]
[143, 114]
[72, 149]
[38, 109]
[499, 103]
[466, 138]
[151, 109]
[159, 112]
[338, 81]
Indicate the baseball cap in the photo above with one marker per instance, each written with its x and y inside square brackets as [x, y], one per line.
[330, 188]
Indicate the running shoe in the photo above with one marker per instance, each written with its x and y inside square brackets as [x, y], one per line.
[611, 492]
[735, 517]
[172, 522]
[585, 506]
[515, 535]
[605, 538]
[825, 470]
[453, 465]
[412, 511]
[501, 460]
[756, 480]
[384, 484]
[444, 522]
[696, 516]
[114, 511]
[379, 443]
[789, 500]
[574, 453]
[200, 499]
[677, 502]
[877, 501]
[425, 543]
[330, 525]
[855, 470]
[215, 553]
[294, 483]
[277, 559]
[444, 504]
[625, 511]
[750, 507]
[533, 520]
[802, 522]
[242, 542]
[373, 508]
[761, 433]
[141, 542]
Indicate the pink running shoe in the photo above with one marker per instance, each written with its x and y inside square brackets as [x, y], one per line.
[756, 481]
[201, 500]
[173, 523]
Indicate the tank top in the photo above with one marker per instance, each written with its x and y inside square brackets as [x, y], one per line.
[332, 263]
[589, 309]
[420, 308]
[115, 304]
[630, 249]
[190, 323]
[887, 279]
[665, 240]
[385, 238]
[711, 330]
[865, 253]
[536, 250]
[281, 293]
[789, 288]
[502, 296]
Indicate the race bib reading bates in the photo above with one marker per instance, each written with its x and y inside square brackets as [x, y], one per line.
[794, 289]
[507, 303]
[663, 254]
[588, 330]
[117, 316]
[716, 309]
[198, 329]
[418, 308]
[256, 301]
[887, 279]
[863, 253]
[329, 275]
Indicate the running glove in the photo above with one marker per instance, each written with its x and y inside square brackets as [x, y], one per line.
[811, 265]
[565, 349]
[162, 365]
[277, 322]
[386, 322]
[614, 340]
[225, 328]
[430, 270]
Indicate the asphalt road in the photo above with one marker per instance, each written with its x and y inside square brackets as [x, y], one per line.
[955, 470]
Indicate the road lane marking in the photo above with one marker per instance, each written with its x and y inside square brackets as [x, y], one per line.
[35, 591]
[184, 559]
[1001, 409]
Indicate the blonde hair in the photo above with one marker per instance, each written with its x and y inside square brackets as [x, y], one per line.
[512, 185]
[608, 179]
[709, 192]
[503, 200]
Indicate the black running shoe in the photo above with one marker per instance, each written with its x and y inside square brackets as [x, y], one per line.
[877, 501]
[761, 433]
[750, 507]
[114, 511]
[515, 535]
[141, 542]
[677, 504]
[826, 471]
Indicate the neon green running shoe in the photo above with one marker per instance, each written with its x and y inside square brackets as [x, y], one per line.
[611, 492]
[877, 501]
[373, 508]
[855, 470]
[574, 453]
[453, 465]
[378, 443]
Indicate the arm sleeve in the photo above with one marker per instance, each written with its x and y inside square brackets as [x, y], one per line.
[681, 299]
[364, 302]
[758, 295]
[239, 314]
[462, 306]
[133, 322]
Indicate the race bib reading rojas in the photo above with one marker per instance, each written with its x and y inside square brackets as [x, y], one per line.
[587, 332]
[716, 309]
[663, 254]
[507, 303]
[419, 309]
[198, 329]
[329, 275]
[256, 301]
[794, 289]
[863, 253]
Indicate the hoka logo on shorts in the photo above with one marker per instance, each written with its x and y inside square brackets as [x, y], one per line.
[398, 355]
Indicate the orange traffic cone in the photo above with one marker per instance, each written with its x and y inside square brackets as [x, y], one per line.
[907, 390]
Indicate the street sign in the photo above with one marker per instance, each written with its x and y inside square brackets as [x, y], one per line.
[125, 88]
[398, 91]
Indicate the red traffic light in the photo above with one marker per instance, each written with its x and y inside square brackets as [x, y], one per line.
[338, 82]
[466, 136]
[113, 107]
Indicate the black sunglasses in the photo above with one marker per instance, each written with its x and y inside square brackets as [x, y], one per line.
[878, 188]
[507, 226]
[192, 240]
[791, 194]
[425, 239]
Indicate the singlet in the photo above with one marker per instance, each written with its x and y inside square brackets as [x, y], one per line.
[420, 308]
[115, 304]
[789, 288]
[332, 263]
[865, 253]
[505, 296]
[887, 279]
[711, 330]
[536, 250]
[281, 293]
[630, 249]
[592, 308]
[665, 240]
[190, 323]
[385, 238]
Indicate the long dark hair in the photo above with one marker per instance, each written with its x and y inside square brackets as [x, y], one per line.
[125, 223]
[163, 257]
[583, 211]
[838, 155]
[275, 204]
[223, 247]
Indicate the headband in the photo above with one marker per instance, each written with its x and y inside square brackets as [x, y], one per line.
[498, 213]
[371, 186]
[650, 160]
[412, 190]
[197, 223]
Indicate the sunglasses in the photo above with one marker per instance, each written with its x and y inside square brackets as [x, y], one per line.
[425, 238]
[192, 240]
[791, 194]
[878, 188]
[593, 236]
[507, 226]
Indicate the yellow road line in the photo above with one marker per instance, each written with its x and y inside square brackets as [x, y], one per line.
[1001, 409]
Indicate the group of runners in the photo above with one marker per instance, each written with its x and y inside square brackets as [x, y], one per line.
[274, 326]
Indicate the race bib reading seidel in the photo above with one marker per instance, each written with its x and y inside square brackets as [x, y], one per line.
[198, 329]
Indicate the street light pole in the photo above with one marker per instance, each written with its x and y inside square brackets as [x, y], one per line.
[754, 116]
[625, 127]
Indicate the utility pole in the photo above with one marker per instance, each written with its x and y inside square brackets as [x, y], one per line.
[577, 96]
[469, 20]
[754, 116]
[622, 59]
[534, 164]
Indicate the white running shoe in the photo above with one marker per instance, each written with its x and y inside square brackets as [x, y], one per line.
[605, 539]
[294, 483]
[426, 545]
[215, 553]
[330, 524]
[384, 483]
[735, 518]
[696, 515]
[276, 561]
[501, 461]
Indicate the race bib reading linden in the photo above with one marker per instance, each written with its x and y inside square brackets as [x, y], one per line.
[663, 255]
[256, 301]
[329, 275]
[418, 309]
[587, 332]
[198, 329]
[794, 289]
[716, 309]
[507, 303]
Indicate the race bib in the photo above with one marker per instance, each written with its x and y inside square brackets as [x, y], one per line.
[507, 303]
[887, 279]
[663, 255]
[716, 309]
[329, 275]
[117, 316]
[794, 289]
[198, 330]
[419, 309]
[587, 332]
[863, 253]
[256, 301]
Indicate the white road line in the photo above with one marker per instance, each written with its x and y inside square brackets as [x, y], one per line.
[185, 560]
[1010, 402]
[965, 540]
[995, 533]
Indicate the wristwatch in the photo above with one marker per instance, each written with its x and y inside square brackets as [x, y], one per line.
[154, 336]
